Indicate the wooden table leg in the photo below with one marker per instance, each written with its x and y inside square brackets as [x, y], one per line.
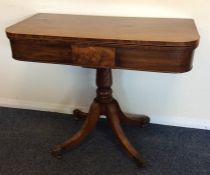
[90, 122]
[114, 120]
[104, 104]
[141, 120]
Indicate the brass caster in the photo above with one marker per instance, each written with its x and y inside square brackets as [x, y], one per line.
[146, 121]
[79, 115]
[57, 152]
[139, 162]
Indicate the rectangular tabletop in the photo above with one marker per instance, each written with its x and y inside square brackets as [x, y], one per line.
[151, 44]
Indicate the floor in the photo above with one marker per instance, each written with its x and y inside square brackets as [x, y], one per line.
[26, 137]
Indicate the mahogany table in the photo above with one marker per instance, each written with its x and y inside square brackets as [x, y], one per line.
[105, 43]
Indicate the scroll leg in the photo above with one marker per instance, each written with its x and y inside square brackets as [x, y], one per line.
[89, 124]
[79, 115]
[113, 117]
[141, 120]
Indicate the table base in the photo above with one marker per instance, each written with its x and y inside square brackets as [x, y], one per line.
[104, 104]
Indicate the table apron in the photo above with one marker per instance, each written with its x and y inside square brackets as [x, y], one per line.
[146, 58]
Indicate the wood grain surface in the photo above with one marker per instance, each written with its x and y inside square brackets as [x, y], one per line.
[93, 56]
[111, 30]
[148, 44]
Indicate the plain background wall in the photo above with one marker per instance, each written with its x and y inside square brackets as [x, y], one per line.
[174, 99]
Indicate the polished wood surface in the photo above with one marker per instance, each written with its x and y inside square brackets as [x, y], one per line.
[93, 56]
[89, 124]
[148, 44]
[106, 43]
[130, 30]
